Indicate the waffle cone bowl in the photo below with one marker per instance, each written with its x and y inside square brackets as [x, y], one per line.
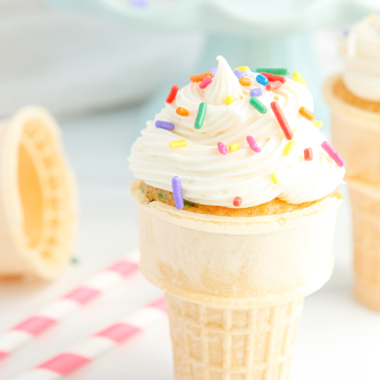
[37, 202]
[356, 134]
[235, 285]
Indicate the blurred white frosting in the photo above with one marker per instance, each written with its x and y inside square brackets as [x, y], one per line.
[361, 49]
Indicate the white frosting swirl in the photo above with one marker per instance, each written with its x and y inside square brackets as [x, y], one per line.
[361, 49]
[210, 178]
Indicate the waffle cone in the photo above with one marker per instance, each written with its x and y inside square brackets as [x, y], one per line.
[232, 344]
[355, 134]
[37, 202]
[365, 201]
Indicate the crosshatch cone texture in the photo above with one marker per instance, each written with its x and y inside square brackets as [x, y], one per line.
[365, 201]
[37, 197]
[232, 344]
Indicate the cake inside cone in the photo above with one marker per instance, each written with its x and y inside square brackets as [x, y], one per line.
[342, 92]
[41, 185]
[274, 207]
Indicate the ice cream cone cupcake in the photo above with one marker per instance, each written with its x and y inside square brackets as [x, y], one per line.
[236, 193]
[354, 98]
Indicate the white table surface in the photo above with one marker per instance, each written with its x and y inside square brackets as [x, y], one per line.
[338, 338]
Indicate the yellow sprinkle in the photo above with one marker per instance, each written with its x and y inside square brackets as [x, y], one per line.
[178, 144]
[243, 68]
[298, 78]
[318, 123]
[229, 100]
[274, 178]
[234, 147]
[289, 147]
[276, 98]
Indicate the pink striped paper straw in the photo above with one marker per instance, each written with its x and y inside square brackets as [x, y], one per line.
[98, 344]
[66, 305]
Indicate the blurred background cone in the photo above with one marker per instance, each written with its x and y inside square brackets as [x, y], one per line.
[356, 135]
[37, 202]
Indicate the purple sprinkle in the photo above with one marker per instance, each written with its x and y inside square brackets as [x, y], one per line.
[346, 31]
[164, 125]
[139, 3]
[240, 74]
[177, 193]
[213, 70]
[256, 92]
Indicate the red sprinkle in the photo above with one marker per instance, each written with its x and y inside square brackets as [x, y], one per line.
[308, 154]
[237, 201]
[172, 94]
[273, 77]
[273, 85]
[282, 120]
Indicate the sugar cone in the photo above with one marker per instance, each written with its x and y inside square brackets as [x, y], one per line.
[356, 136]
[365, 201]
[232, 283]
[37, 202]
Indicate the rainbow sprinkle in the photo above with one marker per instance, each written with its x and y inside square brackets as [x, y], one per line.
[262, 80]
[245, 81]
[258, 105]
[273, 71]
[177, 193]
[306, 113]
[273, 85]
[234, 147]
[273, 77]
[164, 125]
[282, 120]
[205, 82]
[255, 92]
[222, 148]
[308, 154]
[253, 144]
[289, 147]
[201, 115]
[237, 201]
[298, 78]
[182, 111]
[242, 68]
[172, 94]
[229, 100]
[274, 177]
[240, 74]
[332, 152]
[178, 144]
[318, 124]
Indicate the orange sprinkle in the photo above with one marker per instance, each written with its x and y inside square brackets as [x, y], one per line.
[182, 111]
[306, 113]
[200, 77]
[245, 81]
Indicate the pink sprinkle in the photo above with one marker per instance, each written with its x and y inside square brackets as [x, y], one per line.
[333, 154]
[253, 144]
[159, 304]
[3, 355]
[82, 294]
[222, 148]
[237, 201]
[205, 82]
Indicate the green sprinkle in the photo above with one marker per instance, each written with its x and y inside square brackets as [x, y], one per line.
[74, 260]
[189, 204]
[160, 196]
[273, 71]
[258, 105]
[201, 115]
